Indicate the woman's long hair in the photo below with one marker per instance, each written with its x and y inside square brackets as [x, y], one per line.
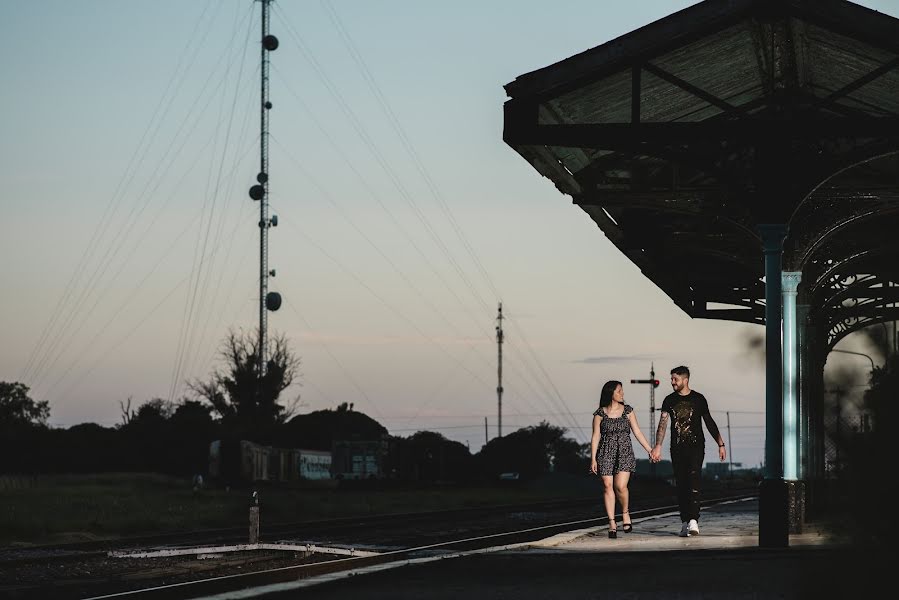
[605, 396]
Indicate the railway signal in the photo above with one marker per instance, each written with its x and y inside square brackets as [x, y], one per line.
[653, 384]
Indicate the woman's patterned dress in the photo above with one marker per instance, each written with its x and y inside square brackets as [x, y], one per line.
[615, 452]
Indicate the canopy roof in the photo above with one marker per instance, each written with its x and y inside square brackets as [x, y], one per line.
[680, 138]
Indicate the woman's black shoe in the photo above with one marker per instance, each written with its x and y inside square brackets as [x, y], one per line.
[627, 527]
[613, 534]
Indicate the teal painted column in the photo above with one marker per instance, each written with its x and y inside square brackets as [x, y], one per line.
[789, 284]
[803, 351]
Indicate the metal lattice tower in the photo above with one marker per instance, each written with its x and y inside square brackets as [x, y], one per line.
[268, 301]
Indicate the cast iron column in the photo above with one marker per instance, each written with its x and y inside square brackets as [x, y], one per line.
[774, 525]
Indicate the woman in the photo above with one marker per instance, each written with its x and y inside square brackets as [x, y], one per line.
[612, 453]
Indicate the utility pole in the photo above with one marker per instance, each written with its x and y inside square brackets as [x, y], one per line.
[499, 370]
[653, 384]
[486, 435]
[268, 301]
[652, 403]
[730, 450]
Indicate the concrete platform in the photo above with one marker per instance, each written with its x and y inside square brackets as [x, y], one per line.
[724, 561]
[730, 525]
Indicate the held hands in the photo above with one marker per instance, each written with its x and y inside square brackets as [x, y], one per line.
[656, 454]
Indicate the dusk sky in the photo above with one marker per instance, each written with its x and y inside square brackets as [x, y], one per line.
[129, 136]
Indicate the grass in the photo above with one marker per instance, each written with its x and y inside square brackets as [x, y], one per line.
[70, 508]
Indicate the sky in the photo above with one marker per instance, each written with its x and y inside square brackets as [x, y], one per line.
[129, 136]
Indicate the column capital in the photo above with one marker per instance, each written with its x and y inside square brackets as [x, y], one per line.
[790, 281]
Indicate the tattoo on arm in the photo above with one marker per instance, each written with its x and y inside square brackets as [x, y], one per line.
[663, 426]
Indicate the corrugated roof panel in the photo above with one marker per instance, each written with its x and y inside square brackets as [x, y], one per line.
[724, 65]
[607, 100]
[880, 96]
[835, 61]
[663, 102]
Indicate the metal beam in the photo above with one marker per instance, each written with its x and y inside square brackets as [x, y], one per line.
[696, 91]
[860, 82]
[616, 136]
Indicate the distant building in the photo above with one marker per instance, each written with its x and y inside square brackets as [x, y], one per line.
[247, 462]
[360, 459]
[719, 469]
[313, 464]
[661, 469]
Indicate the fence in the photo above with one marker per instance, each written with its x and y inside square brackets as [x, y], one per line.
[838, 429]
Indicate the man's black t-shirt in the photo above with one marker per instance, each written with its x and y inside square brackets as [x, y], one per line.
[686, 414]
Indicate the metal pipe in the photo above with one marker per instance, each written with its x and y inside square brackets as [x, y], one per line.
[856, 353]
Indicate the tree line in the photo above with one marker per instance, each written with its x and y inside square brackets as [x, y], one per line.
[237, 402]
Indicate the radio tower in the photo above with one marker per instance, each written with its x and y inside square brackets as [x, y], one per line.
[499, 371]
[267, 300]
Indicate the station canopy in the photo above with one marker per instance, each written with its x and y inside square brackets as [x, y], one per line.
[681, 138]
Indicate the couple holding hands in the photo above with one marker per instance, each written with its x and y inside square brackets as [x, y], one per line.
[612, 454]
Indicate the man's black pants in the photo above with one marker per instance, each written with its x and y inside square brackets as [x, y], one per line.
[686, 460]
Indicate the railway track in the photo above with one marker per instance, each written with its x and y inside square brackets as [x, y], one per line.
[13, 556]
[188, 567]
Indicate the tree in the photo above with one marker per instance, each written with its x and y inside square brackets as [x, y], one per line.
[17, 408]
[127, 413]
[23, 430]
[532, 451]
[192, 414]
[428, 456]
[153, 412]
[318, 430]
[242, 397]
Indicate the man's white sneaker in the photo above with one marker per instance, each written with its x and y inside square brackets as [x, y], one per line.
[684, 530]
[693, 527]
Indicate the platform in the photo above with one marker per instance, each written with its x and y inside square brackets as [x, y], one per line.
[653, 561]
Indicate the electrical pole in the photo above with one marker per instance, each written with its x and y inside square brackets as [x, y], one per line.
[268, 301]
[499, 370]
[730, 448]
[652, 403]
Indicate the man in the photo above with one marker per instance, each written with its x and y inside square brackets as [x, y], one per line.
[687, 409]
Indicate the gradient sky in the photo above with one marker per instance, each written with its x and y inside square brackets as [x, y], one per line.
[129, 135]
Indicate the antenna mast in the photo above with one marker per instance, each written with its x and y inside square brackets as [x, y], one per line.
[499, 370]
[267, 300]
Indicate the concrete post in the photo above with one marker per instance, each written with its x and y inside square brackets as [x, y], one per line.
[254, 518]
